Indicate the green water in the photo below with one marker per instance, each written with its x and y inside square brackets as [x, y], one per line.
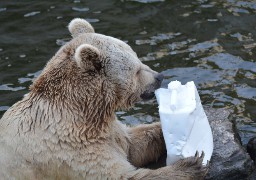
[210, 42]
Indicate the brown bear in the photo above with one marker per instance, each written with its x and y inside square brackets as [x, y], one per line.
[66, 127]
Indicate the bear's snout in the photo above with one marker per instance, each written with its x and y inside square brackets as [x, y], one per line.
[150, 90]
[159, 78]
[158, 81]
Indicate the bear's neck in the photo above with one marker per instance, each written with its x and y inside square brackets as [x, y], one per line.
[84, 124]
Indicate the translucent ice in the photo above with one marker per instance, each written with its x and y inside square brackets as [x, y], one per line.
[184, 123]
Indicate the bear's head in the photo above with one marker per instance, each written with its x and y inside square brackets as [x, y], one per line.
[95, 74]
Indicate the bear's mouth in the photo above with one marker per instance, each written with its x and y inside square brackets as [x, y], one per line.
[150, 90]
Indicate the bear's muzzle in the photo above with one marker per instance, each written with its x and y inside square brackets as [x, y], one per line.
[150, 89]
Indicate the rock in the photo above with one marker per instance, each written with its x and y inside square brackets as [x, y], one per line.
[229, 160]
[253, 175]
[251, 148]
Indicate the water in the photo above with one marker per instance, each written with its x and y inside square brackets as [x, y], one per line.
[209, 42]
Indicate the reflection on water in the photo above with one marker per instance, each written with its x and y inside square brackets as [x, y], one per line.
[209, 42]
[32, 14]
[147, 1]
[80, 9]
[6, 87]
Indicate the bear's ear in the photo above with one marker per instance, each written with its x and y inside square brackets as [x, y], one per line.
[87, 58]
[79, 26]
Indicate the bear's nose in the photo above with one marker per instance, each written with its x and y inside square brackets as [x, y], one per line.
[159, 77]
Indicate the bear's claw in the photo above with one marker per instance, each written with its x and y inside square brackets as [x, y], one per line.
[192, 167]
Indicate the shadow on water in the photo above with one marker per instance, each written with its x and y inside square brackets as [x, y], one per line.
[209, 42]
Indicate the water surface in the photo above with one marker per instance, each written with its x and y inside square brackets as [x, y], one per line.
[209, 42]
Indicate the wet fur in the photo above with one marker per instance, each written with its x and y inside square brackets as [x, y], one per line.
[66, 127]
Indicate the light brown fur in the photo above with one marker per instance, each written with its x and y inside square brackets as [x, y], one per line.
[66, 127]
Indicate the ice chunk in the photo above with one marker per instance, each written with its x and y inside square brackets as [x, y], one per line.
[184, 123]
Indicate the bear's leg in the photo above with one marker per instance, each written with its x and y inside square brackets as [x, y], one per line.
[186, 169]
[146, 144]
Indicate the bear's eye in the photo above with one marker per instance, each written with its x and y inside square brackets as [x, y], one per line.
[138, 72]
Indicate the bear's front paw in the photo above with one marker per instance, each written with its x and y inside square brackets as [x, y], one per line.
[192, 167]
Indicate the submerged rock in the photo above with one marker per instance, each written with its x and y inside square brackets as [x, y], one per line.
[229, 160]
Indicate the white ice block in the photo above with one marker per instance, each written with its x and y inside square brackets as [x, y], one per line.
[184, 123]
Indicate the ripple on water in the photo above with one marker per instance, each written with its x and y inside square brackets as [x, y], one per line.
[154, 56]
[158, 38]
[30, 77]
[147, 1]
[6, 87]
[246, 40]
[246, 4]
[23, 80]
[197, 74]
[180, 45]
[80, 9]
[61, 42]
[239, 10]
[207, 5]
[130, 120]
[204, 46]
[240, 37]
[2, 9]
[240, 7]
[92, 20]
[4, 108]
[32, 14]
[195, 50]
[138, 118]
[246, 91]
[22, 55]
[250, 75]
[97, 12]
[228, 62]
[35, 75]
[212, 20]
